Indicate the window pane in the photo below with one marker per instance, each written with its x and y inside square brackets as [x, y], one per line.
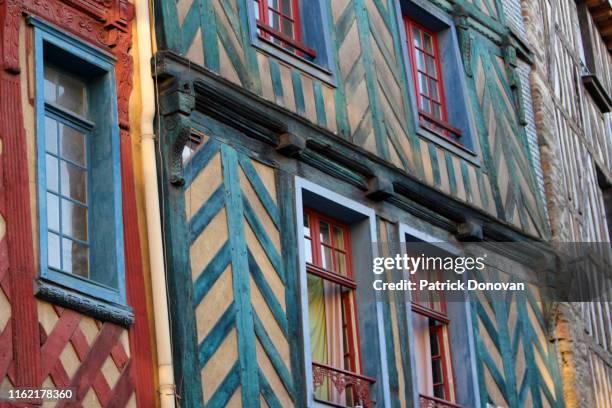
[423, 84]
[428, 41]
[339, 238]
[51, 135]
[50, 87]
[425, 105]
[306, 225]
[288, 28]
[420, 60]
[326, 258]
[53, 212]
[53, 250]
[256, 8]
[286, 8]
[431, 66]
[308, 250]
[73, 145]
[433, 85]
[436, 111]
[274, 19]
[70, 92]
[273, 4]
[324, 232]
[416, 36]
[75, 258]
[436, 371]
[439, 392]
[74, 220]
[74, 182]
[341, 263]
[51, 170]
[433, 342]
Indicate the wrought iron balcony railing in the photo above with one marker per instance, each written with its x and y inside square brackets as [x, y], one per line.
[426, 401]
[354, 387]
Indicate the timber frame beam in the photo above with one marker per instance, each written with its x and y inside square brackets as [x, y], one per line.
[293, 136]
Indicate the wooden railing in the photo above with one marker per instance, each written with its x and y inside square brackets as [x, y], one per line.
[284, 38]
[426, 401]
[439, 127]
[343, 380]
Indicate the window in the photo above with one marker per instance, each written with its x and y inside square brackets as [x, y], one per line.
[334, 338]
[428, 79]
[431, 338]
[278, 21]
[79, 180]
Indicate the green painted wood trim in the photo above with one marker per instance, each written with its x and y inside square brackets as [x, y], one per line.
[339, 94]
[435, 166]
[289, 243]
[226, 389]
[450, 169]
[319, 104]
[250, 54]
[208, 23]
[166, 26]
[247, 356]
[298, 92]
[363, 26]
[277, 84]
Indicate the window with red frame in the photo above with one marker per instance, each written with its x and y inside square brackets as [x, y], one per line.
[332, 308]
[278, 21]
[427, 77]
[431, 337]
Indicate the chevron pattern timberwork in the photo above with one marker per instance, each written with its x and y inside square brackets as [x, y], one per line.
[504, 143]
[517, 365]
[240, 284]
[370, 107]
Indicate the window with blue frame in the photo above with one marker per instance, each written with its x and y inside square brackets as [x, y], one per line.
[79, 179]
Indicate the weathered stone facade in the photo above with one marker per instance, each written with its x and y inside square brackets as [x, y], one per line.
[575, 146]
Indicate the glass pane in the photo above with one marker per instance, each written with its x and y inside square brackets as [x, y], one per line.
[433, 342]
[416, 36]
[73, 145]
[273, 4]
[74, 220]
[306, 225]
[71, 94]
[51, 170]
[326, 258]
[341, 263]
[423, 84]
[433, 86]
[75, 258]
[53, 212]
[274, 20]
[431, 66]
[324, 232]
[74, 182]
[53, 250]
[436, 371]
[428, 40]
[286, 8]
[308, 250]
[439, 392]
[420, 58]
[339, 238]
[256, 8]
[50, 80]
[436, 111]
[51, 135]
[425, 105]
[288, 28]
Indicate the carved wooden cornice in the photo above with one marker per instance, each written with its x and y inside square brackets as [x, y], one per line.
[103, 23]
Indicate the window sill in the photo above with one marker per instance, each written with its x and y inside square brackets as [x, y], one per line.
[86, 304]
[446, 143]
[295, 61]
